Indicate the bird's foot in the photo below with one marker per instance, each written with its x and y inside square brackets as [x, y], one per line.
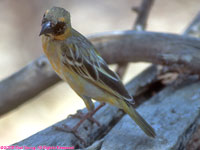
[83, 117]
[88, 116]
[66, 128]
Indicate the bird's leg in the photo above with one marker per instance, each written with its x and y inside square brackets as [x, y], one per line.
[87, 116]
[83, 117]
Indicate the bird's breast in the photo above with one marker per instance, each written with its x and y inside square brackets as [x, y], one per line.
[80, 85]
[52, 52]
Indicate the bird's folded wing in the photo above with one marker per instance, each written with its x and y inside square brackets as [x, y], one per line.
[89, 65]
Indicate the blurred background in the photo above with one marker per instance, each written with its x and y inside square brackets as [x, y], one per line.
[19, 44]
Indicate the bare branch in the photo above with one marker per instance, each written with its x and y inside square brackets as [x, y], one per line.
[25, 84]
[141, 82]
[159, 48]
[143, 13]
[173, 101]
[139, 25]
[194, 28]
[121, 69]
[173, 114]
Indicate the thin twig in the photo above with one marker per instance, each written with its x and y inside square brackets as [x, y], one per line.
[143, 13]
[139, 25]
[194, 28]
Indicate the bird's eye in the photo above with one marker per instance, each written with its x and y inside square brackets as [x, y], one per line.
[44, 20]
[59, 28]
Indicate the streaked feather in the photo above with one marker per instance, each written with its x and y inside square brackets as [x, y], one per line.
[92, 67]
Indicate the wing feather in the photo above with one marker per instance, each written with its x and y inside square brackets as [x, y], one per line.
[89, 65]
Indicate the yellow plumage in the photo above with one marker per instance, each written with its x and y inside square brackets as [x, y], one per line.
[77, 62]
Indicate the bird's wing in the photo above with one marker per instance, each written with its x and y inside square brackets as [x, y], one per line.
[88, 64]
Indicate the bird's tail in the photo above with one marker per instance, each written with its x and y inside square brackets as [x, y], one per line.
[128, 108]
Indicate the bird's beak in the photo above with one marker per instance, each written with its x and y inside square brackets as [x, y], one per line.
[46, 28]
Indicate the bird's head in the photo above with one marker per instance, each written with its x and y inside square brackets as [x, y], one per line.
[56, 23]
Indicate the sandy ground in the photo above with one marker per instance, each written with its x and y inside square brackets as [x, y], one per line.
[19, 44]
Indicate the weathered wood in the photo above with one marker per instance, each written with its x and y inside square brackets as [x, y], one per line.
[106, 116]
[158, 48]
[25, 84]
[174, 114]
[143, 81]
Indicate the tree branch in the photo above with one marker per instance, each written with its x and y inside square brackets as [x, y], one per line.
[25, 84]
[158, 48]
[194, 28]
[139, 25]
[164, 111]
[143, 13]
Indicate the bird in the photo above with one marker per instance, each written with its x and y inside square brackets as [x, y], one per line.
[78, 62]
